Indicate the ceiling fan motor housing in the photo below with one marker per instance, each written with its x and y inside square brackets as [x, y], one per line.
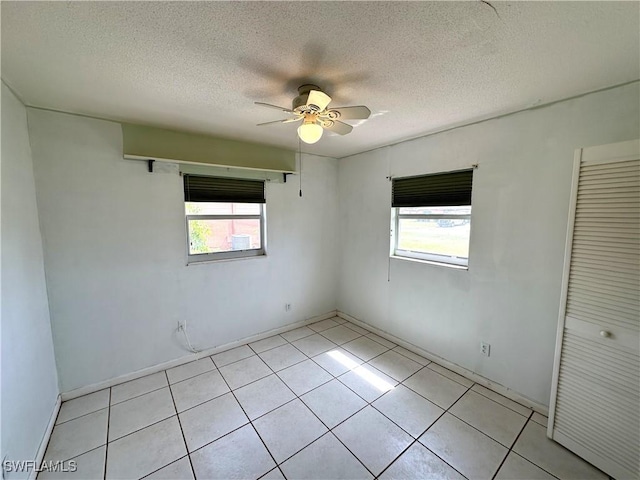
[299, 104]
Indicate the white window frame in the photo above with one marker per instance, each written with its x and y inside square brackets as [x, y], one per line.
[213, 256]
[428, 257]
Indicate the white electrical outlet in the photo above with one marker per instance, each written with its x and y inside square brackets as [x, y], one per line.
[287, 307]
[485, 349]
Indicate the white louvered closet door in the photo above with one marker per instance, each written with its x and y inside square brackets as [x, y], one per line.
[595, 403]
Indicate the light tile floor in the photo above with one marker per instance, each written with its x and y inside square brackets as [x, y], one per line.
[327, 401]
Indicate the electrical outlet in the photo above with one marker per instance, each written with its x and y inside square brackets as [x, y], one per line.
[287, 307]
[180, 325]
[485, 349]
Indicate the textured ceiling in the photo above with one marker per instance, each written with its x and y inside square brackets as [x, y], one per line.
[419, 66]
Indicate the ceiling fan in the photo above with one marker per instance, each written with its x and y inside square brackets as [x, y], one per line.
[310, 107]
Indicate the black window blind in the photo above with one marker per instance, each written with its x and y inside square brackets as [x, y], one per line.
[438, 190]
[199, 188]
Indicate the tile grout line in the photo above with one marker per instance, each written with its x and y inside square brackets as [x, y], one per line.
[191, 376]
[141, 428]
[522, 456]
[314, 388]
[231, 363]
[329, 430]
[414, 439]
[82, 416]
[406, 356]
[454, 373]
[300, 338]
[186, 447]
[480, 431]
[532, 411]
[475, 428]
[218, 396]
[145, 393]
[250, 422]
[156, 421]
[106, 447]
[472, 426]
[274, 468]
[494, 401]
[200, 404]
[266, 349]
[81, 453]
[538, 466]
[155, 471]
[288, 366]
[209, 443]
[417, 439]
[512, 445]
[473, 384]
[359, 334]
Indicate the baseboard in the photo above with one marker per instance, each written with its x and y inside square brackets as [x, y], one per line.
[474, 377]
[78, 392]
[42, 448]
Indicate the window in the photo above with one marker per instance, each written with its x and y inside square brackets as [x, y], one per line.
[432, 217]
[225, 217]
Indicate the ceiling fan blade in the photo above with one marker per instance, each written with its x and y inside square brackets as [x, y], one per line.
[282, 109]
[319, 99]
[296, 119]
[338, 127]
[288, 120]
[352, 113]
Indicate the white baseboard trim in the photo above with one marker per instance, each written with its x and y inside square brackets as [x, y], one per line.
[474, 377]
[78, 392]
[44, 443]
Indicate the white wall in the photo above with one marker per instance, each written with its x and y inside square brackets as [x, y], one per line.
[114, 246]
[510, 295]
[29, 379]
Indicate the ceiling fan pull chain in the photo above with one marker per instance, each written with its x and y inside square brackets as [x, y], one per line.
[300, 157]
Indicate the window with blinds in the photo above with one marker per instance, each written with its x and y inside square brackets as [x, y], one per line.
[224, 217]
[432, 217]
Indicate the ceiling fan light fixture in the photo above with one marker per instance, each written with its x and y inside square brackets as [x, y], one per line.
[310, 106]
[310, 132]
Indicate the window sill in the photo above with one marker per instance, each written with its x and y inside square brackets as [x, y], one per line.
[431, 262]
[224, 260]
